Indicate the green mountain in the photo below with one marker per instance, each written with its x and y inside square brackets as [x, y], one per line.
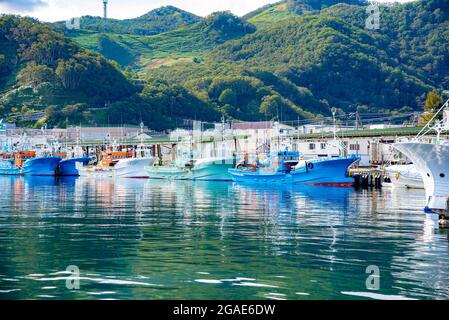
[43, 72]
[185, 44]
[154, 22]
[41, 68]
[302, 58]
[306, 65]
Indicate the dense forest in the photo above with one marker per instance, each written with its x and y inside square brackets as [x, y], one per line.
[289, 60]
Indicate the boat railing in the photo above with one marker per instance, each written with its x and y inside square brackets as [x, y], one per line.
[430, 126]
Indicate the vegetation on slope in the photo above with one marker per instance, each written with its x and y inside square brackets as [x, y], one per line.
[154, 22]
[41, 70]
[298, 67]
[305, 66]
[184, 44]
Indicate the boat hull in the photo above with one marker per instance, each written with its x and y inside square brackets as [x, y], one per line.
[41, 166]
[204, 170]
[326, 172]
[133, 168]
[7, 168]
[404, 176]
[69, 167]
[127, 168]
[213, 170]
[432, 162]
[167, 173]
[259, 177]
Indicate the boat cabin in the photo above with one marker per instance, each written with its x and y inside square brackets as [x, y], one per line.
[22, 156]
[110, 159]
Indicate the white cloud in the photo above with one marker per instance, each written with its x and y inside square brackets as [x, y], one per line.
[56, 10]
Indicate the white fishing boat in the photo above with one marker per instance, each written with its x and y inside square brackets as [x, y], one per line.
[404, 176]
[121, 163]
[431, 159]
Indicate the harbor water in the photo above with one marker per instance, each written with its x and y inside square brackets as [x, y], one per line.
[147, 239]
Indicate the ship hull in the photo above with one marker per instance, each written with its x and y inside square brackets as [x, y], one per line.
[133, 168]
[404, 176]
[327, 172]
[41, 166]
[7, 168]
[127, 168]
[213, 170]
[259, 177]
[204, 170]
[69, 167]
[167, 173]
[432, 162]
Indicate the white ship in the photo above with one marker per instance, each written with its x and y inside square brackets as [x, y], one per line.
[405, 176]
[431, 159]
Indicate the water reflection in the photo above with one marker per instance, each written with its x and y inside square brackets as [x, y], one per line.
[146, 239]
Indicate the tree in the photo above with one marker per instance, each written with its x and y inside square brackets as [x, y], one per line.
[271, 106]
[431, 106]
[69, 73]
[34, 74]
[228, 97]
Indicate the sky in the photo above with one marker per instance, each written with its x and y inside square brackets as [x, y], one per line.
[57, 10]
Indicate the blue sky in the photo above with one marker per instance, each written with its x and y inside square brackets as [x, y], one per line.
[56, 10]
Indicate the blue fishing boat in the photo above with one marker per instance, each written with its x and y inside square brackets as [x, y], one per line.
[45, 166]
[7, 166]
[276, 171]
[325, 171]
[26, 163]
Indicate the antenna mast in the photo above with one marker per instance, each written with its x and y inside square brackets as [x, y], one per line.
[105, 15]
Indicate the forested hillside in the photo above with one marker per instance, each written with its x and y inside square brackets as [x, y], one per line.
[41, 70]
[327, 59]
[154, 22]
[188, 43]
[293, 59]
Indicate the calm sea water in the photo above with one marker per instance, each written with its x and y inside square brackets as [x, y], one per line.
[139, 239]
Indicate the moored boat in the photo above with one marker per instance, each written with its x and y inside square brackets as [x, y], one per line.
[432, 162]
[27, 163]
[325, 171]
[118, 164]
[328, 171]
[431, 159]
[404, 176]
[43, 166]
[208, 169]
[7, 165]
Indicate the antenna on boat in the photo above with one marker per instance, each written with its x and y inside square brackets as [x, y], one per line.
[334, 119]
[438, 126]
